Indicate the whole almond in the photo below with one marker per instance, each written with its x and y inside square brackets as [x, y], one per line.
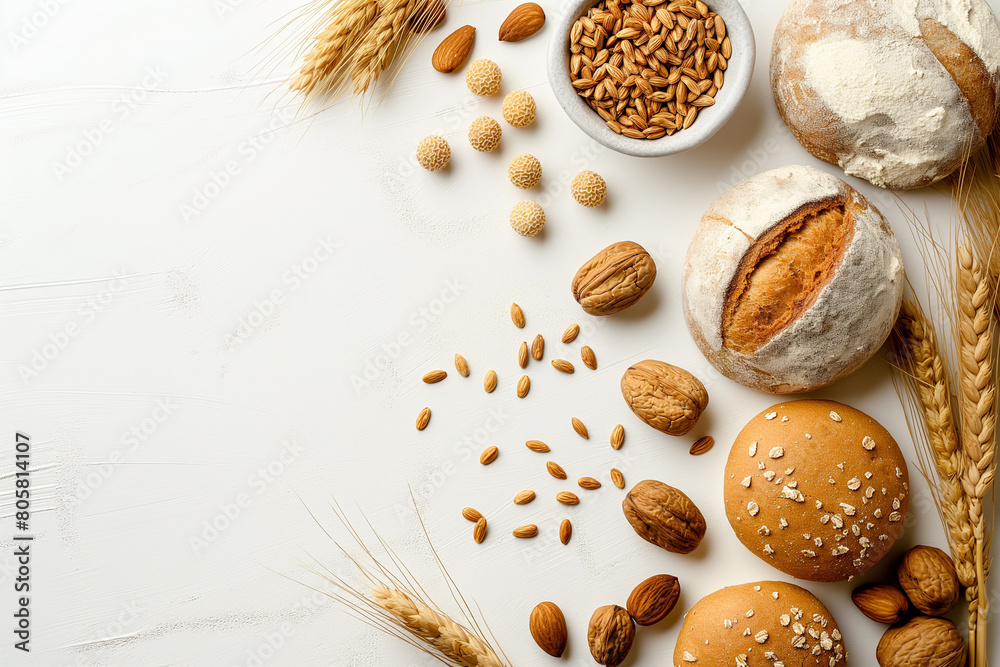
[489, 455]
[562, 365]
[555, 470]
[567, 498]
[588, 357]
[610, 635]
[617, 436]
[618, 478]
[472, 514]
[490, 381]
[572, 331]
[537, 446]
[565, 531]
[434, 376]
[423, 419]
[479, 532]
[548, 628]
[880, 602]
[588, 483]
[524, 497]
[461, 365]
[523, 385]
[653, 599]
[527, 530]
[454, 49]
[537, 348]
[701, 445]
[580, 428]
[523, 22]
[517, 315]
[522, 355]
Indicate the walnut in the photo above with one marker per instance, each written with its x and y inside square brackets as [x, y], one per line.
[610, 635]
[614, 279]
[664, 396]
[922, 641]
[927, 576]
[664, 516]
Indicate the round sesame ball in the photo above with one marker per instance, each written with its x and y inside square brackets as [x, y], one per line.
[519, 108]
[484, 134]
[816, 489]
[433, 153]
[525, 171]
[589, 189]
[483, 77]
[527, 218]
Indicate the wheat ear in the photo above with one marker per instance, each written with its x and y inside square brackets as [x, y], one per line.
[324, 69]
[929, 381]
[387, 36]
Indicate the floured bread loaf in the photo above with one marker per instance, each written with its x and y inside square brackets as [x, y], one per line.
[897, 92]
[792, 281]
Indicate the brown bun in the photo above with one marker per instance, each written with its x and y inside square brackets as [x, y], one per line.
[760, 625]
[897, 92]
[817, 489]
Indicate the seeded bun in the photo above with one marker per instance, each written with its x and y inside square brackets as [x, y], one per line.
[817, 489]
[761, 624]
[897, 92]
[774, 276]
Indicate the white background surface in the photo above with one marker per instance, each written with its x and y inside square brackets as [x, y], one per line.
[165, 410]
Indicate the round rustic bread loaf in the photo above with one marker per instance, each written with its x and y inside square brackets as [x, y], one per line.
[776, 275]
[760, 624]
[897, 92]
[817, 489]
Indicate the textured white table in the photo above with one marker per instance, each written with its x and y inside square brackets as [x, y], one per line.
[204, 312]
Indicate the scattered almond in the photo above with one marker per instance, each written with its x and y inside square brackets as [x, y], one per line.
[653, 599]
[517, 315]
[617, 436]
[565, 531]
[548, 628]
[523, 22]
[479, 532]
[702, 445]
[524, 497]
[423, 419]
[572, 331]
[489, 455]
[537, 348]
[527, 530]
[522, 355]
[453, 50]
[555, 470]
[588, 483]
[562, 365]
[580, 429]
[490, 381]
[523, 385]
[434, 376]
[537, 446]
[472, 514]
[880, 602]
[588, 357]
[618, 478]
[567, 498]
[461, 365]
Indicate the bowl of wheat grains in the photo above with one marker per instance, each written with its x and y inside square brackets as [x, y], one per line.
[651, 79]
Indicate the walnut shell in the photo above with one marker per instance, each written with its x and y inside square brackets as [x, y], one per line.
[548, 628]
[664, 516]
[927, 576]
[666, 397]
[653, 599]
[922, 641]
[610, 635]
[614, 279]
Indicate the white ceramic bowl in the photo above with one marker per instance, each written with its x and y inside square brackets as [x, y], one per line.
[709, 119]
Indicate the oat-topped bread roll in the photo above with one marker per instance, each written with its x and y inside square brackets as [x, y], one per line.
[817, 489]
[792, 281]
[897, 92]
[762, 624]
